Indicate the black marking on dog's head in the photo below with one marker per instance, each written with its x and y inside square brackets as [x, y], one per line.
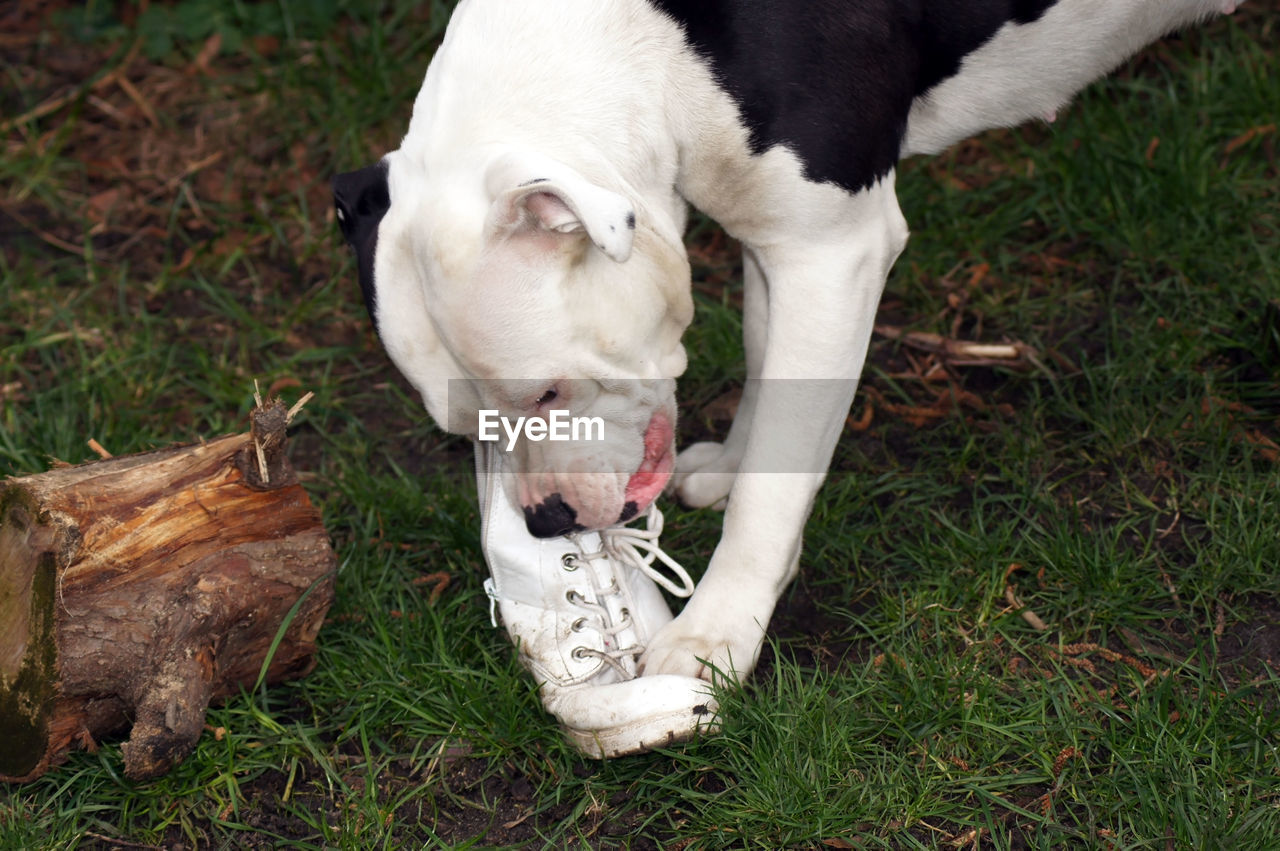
[631, 220]
[552, 518]
[360, 199]
[628, 511]
[833, 80]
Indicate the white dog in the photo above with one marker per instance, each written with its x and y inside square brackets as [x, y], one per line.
[521, 251]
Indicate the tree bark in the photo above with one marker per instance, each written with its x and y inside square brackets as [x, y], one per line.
[135, 590]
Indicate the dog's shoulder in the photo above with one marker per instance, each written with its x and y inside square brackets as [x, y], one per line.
[834, 80]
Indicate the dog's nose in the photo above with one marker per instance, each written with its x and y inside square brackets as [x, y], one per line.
[551, 518]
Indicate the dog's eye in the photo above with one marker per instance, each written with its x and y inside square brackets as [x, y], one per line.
[547, 397]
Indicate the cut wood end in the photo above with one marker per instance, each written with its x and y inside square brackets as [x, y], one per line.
[266, 465]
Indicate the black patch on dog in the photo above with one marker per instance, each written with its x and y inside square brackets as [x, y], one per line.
[551, 518]
[631, 221]
[361, 198]
[833, 80]
[628, 511]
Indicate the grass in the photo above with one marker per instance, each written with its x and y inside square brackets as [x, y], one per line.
[1127, 491]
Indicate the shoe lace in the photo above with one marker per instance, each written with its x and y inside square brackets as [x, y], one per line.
[601, 620]
[615, 657]
[634, 546]
[639, 548]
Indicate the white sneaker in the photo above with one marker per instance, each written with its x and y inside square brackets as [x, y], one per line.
[580, 610]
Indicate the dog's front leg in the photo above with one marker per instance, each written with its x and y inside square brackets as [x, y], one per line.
[823, 287]
[705, 471]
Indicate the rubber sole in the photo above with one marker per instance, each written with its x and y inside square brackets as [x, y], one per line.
[656, 731]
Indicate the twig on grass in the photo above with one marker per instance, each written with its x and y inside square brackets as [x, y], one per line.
[144, 106]
[1027, 615]
[172, 183]
[1161, 534]
[106, 108]
[1139, 645]
[56, 103]
[947, 400]
[44, 235]
[1146, 684]
[116, 842]
[972, 838]
[517, 821]
[1011, 598]
[963, 352]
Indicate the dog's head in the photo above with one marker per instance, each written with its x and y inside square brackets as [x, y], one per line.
[511, 291]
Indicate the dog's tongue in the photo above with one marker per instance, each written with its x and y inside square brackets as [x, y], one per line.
[647, 482]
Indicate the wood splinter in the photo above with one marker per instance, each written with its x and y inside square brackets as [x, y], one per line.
[134, 590]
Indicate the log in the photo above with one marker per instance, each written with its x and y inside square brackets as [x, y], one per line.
[135, 590]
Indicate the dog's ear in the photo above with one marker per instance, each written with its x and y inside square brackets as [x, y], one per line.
[531, 192]
[360, 199]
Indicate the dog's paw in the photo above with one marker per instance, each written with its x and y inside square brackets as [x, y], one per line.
[721, 654]
[704, 475]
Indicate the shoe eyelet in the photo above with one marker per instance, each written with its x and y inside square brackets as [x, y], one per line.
[569, 561]
[578, 624]
[573, 597]
[579, 653]
[626, 614]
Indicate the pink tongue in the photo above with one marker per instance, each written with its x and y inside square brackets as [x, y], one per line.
[647, 482]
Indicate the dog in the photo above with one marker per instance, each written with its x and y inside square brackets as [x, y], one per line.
[522, 250]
